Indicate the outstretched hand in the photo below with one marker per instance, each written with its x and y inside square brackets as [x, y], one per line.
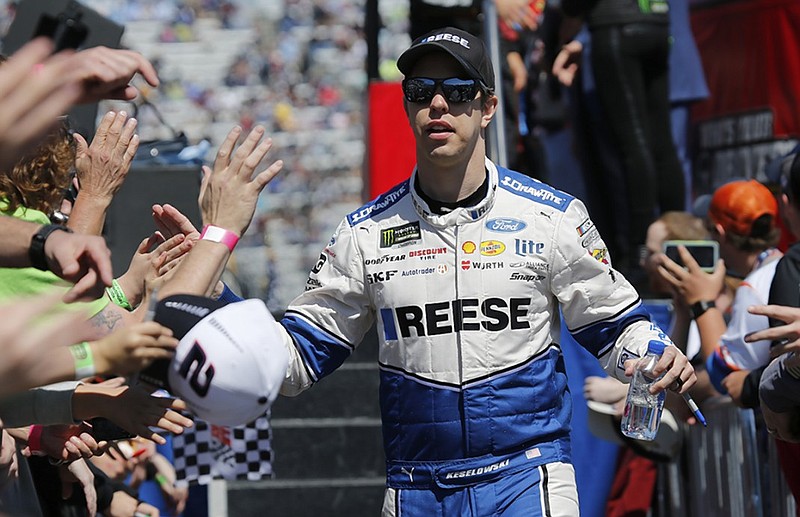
[136, 410]
[103, 166]
[229, 192]
[35, 88]
[786, 337]
[153, 257]
[106, 73]
[133, 348]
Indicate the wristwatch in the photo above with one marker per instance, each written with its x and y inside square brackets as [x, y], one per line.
[36, 250]
[697, 309]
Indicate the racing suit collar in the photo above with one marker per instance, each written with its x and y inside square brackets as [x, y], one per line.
[460, 215]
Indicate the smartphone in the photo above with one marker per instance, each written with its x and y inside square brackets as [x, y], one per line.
[706, 253]
[66, 29]
[104, 429]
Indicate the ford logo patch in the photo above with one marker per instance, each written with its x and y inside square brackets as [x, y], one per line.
[505, 225]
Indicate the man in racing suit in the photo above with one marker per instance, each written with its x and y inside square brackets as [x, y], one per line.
[464, 268]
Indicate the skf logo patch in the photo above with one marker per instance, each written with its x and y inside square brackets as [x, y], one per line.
[381, 276]
[492, 248]
[600, 255]
[468, 247]
[399, 235]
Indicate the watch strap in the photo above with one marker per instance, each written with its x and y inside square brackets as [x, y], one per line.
[36, 249]
[697, 309]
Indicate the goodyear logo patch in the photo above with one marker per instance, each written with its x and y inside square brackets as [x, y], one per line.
[400, 234]
[492, 248]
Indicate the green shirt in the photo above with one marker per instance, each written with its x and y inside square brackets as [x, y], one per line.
[16, 282]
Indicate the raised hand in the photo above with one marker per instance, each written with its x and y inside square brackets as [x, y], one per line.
[170, 222]
[146, 265]
[101, 169]
[229, 192]
[692, 283]
[35, 88]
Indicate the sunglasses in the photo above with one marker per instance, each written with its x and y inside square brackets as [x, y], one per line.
[454, 89]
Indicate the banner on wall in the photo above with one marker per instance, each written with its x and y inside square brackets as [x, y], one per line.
[390, 148]
[751, 57]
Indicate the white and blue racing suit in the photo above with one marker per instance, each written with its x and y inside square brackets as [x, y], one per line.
[473, 385]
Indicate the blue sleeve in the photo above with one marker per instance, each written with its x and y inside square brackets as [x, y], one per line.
[229, 296]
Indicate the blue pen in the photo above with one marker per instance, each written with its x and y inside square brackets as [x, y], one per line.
[696, 410]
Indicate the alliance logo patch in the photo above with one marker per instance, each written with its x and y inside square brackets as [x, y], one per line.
[400, 234]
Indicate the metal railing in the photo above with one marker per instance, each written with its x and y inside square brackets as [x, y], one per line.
[728, 469]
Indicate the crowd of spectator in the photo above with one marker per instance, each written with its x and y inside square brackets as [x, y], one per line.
[297, 68]
[294, 67]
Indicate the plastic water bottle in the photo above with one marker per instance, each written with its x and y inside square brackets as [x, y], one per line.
[642, 408]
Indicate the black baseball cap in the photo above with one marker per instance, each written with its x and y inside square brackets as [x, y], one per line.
[467, 49]
[784, 171]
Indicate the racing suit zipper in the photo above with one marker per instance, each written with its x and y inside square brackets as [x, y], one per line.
[459, 345]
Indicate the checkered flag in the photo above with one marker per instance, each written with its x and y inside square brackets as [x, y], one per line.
[206, 451]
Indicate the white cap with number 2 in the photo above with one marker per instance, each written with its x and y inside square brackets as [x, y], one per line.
[229, 365]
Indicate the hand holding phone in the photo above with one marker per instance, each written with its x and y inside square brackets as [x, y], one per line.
[704, 252]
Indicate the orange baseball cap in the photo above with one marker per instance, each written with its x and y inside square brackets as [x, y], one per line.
[736, 205]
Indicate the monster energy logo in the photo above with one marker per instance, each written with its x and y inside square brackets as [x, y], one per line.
[399, 234]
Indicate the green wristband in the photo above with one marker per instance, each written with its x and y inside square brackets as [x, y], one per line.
[117, 296]
[161, 479]
[84, 360]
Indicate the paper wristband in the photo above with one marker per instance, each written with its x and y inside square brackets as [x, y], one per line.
[84, 360]
[217, 234]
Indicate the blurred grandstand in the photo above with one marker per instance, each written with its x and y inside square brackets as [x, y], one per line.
[295, 66]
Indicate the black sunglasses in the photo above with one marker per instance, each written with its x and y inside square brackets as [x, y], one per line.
[454, 89]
